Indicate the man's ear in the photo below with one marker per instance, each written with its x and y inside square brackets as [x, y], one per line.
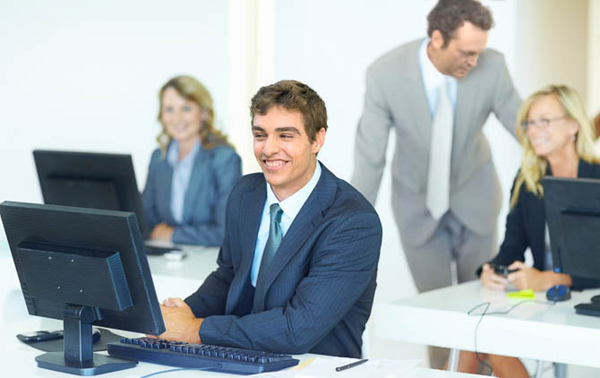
[437, 39]
[319, 141]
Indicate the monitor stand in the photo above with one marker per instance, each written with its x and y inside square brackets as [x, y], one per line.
[591, 309]
[77, 357]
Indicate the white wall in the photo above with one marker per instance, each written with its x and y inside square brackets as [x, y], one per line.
[594, 58]
[84, 75]
[553, 44]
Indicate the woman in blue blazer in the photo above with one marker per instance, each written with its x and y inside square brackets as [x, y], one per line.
[558, 140]
[192, 172]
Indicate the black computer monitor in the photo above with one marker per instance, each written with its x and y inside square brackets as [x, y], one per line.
[573, 216]
[86, 267]
[92, 180]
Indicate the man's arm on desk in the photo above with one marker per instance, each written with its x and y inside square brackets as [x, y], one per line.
[180, 321]
[342, 266]
[211, 296]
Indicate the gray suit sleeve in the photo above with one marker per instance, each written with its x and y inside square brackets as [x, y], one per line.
[371, 140]
[506, 100]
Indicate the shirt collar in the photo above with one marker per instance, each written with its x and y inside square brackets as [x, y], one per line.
[291, 206]
[173, 153]
[431, 76]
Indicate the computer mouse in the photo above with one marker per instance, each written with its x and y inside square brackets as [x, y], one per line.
[96, 335]
[558, 293]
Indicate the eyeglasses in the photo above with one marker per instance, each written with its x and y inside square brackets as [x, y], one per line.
[541, 123]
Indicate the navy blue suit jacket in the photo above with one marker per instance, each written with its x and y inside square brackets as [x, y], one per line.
[525, 228]
[214, 174]
[320, 288]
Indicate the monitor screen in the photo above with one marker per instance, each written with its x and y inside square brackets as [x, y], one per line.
[86, 267]
[573, 215]
[91, 180]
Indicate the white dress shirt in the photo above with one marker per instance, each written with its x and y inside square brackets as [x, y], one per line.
[291, 207]
[182, 172]
[432, 79]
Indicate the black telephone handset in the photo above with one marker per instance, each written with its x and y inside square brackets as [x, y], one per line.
[35, 336]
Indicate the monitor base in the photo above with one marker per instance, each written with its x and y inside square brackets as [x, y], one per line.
[101, 364]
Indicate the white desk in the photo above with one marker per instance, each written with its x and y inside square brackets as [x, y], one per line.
[18, 359]
[532, 330]
[171, 278]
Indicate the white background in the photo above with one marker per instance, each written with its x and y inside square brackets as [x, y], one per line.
[84, 75]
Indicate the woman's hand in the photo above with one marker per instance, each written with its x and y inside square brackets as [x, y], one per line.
[492, 280]
[162, 231]
[527, 277]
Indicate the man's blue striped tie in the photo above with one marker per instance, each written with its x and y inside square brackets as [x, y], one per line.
[273, 243]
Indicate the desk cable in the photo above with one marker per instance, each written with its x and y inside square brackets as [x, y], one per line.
[177, 369]
[486, 306]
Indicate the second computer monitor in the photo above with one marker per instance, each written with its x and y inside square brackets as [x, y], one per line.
[91, 180]
[573, 216]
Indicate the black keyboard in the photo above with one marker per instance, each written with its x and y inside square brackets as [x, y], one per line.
[211, 357]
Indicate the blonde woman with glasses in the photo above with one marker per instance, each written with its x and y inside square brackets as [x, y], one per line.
[557, 138]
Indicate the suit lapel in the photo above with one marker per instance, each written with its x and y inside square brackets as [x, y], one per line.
[464, 113]
[584, 170]
[412, 85]
[251, 206]
[304, 224]
[166, 174]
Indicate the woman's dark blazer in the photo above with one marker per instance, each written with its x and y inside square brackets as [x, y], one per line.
[214, 174]
[525, 228]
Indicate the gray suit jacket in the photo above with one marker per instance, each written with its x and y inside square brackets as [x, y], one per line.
[395, 98]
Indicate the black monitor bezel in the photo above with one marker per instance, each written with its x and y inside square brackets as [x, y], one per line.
[88, 229]
[572, 208]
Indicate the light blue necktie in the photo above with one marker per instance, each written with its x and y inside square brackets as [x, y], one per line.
[273, 243]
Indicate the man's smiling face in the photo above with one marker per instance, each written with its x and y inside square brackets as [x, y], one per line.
[283, 150]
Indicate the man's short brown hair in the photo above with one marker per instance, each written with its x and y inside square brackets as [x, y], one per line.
[449, 15]
[292, 95]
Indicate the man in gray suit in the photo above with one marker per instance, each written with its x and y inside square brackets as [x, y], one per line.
[437, 93]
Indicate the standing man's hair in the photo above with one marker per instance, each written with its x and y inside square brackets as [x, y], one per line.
[449, 15]
[292, 95]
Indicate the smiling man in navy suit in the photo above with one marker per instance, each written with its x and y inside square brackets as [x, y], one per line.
[297, 269]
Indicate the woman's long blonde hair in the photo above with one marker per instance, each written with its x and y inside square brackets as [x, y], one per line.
[192, 90]
[533, 167]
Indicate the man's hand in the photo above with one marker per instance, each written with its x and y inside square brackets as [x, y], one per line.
[180, 321]
[492, 280]
[162, 232]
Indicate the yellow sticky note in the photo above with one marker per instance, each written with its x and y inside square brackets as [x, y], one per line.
[523, 294]
[303, 364]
